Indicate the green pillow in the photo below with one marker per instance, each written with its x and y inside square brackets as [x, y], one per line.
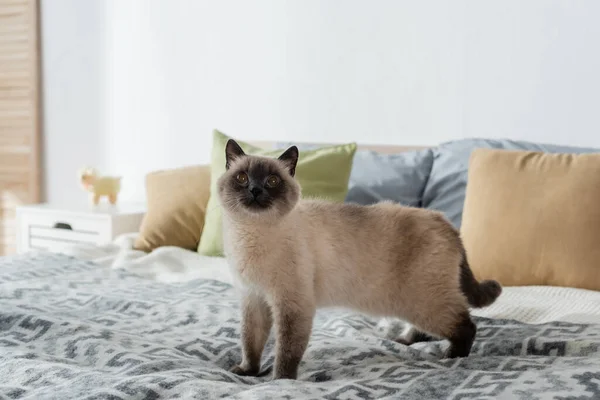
[323, 173]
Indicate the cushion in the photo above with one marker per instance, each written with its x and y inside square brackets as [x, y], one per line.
[533, 218]
[177, 201]
[322, 173]
[376, 177]
[400, 177]
[445, 188]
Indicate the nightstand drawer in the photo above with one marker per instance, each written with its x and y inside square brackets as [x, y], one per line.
[52, 231]
[52, 228]
[48, 244]
[63, 234]
[63, 222]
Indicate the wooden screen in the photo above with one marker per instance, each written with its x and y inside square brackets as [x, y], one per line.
[19, 113]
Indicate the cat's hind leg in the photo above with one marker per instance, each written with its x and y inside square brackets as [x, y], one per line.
[458, 328]
[462, 337]
[446, 318]
[411, 335]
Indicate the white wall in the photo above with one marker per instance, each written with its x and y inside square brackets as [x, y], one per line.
[136, 85]
[74, 101]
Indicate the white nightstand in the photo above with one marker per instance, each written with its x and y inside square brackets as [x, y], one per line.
[51, 227]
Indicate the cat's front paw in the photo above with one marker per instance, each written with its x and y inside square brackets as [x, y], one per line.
[244, 371]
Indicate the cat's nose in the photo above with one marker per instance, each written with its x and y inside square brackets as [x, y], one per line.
[256, 191]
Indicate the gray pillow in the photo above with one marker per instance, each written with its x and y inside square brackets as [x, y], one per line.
[375, 177]
[445, 188]
[399, 177]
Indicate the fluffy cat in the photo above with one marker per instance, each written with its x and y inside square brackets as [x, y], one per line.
[291, 256]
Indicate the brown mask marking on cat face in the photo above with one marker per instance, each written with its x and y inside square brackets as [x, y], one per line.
[255, 194]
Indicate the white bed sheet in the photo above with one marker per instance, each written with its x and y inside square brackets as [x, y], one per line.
[532, 304]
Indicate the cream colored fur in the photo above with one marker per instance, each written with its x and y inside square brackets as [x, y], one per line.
[328, 259]
[385, 260]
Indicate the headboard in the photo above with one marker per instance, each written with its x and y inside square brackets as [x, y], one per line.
[379, 148]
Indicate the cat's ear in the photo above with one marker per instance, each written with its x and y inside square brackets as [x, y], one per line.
[232, 151]
[290, 158]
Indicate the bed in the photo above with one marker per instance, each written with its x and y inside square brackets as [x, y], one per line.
[111, 322]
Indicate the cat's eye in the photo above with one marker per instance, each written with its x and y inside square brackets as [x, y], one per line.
[273, 181]
[242, 178]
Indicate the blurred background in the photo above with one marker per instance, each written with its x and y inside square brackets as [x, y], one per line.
[131, 86]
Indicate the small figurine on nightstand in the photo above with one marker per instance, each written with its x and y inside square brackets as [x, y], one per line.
[99, 186]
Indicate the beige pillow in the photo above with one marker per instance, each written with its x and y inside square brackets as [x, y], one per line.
[177, 202]
[533, 218]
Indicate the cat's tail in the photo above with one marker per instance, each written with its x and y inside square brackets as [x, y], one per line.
[479, 294]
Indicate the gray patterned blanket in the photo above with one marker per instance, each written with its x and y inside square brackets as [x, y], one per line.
[70, 329]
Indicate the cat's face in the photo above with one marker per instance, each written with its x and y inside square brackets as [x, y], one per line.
[258, 186]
